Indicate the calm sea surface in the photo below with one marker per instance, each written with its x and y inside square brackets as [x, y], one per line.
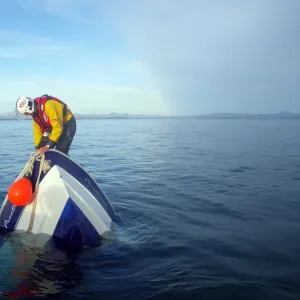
[211, 210]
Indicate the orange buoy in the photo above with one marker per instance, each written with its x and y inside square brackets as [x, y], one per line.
[20, 192]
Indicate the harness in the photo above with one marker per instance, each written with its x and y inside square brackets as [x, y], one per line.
[40, 117]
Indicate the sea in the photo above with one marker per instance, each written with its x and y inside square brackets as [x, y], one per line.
[210, 210]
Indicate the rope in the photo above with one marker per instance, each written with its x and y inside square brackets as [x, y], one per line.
[37, 185]
[27, 171]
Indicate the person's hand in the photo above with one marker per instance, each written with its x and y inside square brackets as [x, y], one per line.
[42, 150]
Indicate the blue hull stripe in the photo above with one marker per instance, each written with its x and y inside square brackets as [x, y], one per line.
[10, 216]
[74, 227]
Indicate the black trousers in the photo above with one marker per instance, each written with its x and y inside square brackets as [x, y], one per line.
[66, 138]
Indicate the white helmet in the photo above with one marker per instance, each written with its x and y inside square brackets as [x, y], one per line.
[25, 105]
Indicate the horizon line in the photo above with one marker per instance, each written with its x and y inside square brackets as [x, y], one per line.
[7, 113]
[114, 115]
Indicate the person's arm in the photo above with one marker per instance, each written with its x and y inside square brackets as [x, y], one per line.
[37, 134]
[54, 112]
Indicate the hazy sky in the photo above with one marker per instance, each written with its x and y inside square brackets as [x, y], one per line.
[152, 56]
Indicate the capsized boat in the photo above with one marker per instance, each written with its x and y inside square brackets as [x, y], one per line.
[66, 202]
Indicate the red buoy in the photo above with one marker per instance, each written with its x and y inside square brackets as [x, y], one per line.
[20, 192]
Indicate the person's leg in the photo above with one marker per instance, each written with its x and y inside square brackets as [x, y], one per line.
[67, 136]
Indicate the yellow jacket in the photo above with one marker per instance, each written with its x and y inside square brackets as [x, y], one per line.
[53, 111]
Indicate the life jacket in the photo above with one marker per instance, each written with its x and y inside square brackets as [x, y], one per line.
[40, 116]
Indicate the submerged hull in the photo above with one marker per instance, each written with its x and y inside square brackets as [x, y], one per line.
[70, 206]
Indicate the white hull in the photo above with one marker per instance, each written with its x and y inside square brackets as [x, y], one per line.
[69, 205]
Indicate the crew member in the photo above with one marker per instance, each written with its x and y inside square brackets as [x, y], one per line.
[54, 124]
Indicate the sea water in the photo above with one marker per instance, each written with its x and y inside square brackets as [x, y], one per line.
[210, 208]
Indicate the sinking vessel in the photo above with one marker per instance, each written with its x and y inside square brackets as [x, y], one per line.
[67, 203]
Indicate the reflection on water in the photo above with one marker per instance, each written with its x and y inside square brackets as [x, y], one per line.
[36, 267]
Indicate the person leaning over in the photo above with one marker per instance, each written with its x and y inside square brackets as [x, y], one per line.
[54, 124]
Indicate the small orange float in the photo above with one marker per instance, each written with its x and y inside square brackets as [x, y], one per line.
[20, 192]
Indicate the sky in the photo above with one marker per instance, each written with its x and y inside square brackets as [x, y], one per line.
[171, 57]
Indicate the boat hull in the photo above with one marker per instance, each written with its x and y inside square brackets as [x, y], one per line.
[70, 205]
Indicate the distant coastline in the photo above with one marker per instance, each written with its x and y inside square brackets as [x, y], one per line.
[281, 115]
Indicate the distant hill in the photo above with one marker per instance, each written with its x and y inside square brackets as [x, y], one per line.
[281, 115]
